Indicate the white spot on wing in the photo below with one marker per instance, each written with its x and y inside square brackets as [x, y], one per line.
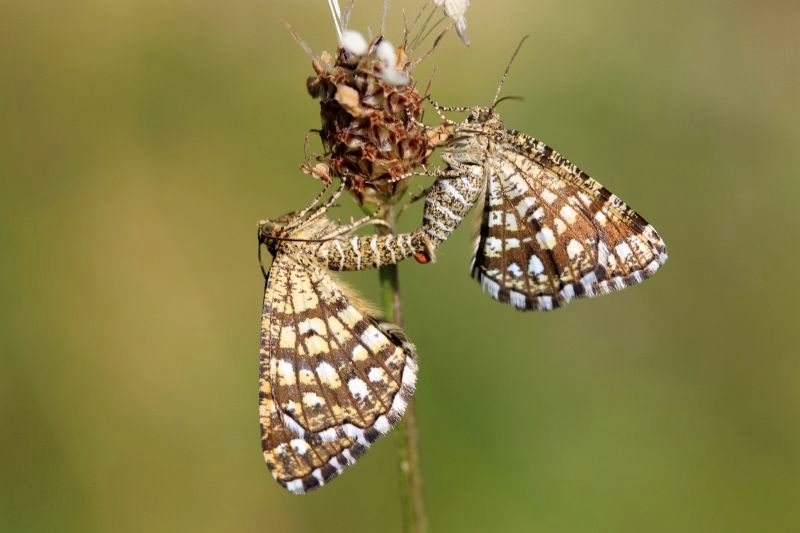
[624, 251]
[511, 222]
[546, 239]
[299, 446]
[313, 324]
[376, 374]
[327, 374]
[373, 338]
[357, 388]
[525, 205]
[286, 373]
[574, 249]
[568, 214]
[514, 270]
[492, 247]
[535, 266]
[359, 353]
[312, 399]
[548, 196]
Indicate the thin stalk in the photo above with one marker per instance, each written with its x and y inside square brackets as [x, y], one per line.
[407, 437]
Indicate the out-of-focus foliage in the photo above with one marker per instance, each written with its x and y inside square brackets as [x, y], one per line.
[140, 141]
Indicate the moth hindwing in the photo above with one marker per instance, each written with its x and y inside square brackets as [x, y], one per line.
[333, 377]
[549, 233]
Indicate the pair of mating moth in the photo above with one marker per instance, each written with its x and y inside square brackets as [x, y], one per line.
[334, 378]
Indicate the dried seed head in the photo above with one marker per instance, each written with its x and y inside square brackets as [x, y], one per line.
[370, 110]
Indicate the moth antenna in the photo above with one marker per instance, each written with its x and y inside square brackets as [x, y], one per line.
[440, 109]
[503, 99]
[458, 109]
[505, 74]
[332, 200]
[299, 217]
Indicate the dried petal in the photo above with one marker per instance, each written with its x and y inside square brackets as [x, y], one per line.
[456, 10]
[350, 100]
[387, 53]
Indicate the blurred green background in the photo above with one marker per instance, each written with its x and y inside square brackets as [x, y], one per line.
[140, 141]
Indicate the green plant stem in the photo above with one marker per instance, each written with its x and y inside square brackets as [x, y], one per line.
[407, 437]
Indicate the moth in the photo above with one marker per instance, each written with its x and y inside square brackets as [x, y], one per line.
[333, 376]
[549, 233]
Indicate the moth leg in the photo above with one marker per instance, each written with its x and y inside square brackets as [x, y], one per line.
[323, 208]
[354, 225]
[440, 110]
[425, 172]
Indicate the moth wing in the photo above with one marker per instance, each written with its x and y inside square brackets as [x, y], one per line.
[333, 379]
[550, 233]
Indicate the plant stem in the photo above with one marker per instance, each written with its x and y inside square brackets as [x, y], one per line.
[407, 437]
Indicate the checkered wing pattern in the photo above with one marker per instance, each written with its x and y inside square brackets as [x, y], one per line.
[332, 378]
[550, 233]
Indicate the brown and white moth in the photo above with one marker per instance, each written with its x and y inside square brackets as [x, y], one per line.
[333, 377]
[549, 233]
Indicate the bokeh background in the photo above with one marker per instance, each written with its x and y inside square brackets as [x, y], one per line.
[141, 140]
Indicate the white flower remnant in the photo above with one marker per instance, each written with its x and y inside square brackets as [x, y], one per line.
[456, 10]
[389, 73]
[354, 42]
[387, 53]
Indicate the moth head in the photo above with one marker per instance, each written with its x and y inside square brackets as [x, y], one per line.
[290, 229]
[485, 117]
[270, 231]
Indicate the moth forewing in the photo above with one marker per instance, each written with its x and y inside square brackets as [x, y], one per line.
[333, 376]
